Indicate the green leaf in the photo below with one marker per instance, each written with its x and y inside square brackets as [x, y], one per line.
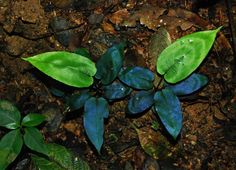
[33, 139]
[10, 147]
[110, 63]
[65, 158]
[69, 68]
[9, 114]
[33, 119]
[182, 57]
[60, 158]
[44, 164]
[95, 110]
[79, 164]
[168, 108]
[60, 155]
[137, 77]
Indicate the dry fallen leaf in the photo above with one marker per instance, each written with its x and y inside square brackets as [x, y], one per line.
[153, 143]
[119, 16]
[107, 27]
[158, 42]
[147, 16]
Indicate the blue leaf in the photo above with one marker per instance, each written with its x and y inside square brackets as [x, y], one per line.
[57, 92]
[76, 101]
[95, 110]
[137, 77]
[167, 106]
[116, 90]
[190, 85]
[110, 63]
[140, 102]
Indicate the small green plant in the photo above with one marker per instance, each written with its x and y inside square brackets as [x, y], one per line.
[24, 132]
[114, 82]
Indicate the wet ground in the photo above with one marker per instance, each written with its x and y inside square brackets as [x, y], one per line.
[208, 137]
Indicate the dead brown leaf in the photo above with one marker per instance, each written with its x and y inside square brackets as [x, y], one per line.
[119, 16]
[153, 143]
[147, 16]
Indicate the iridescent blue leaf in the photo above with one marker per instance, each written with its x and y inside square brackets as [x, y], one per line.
[76, 101]
[110, 63]
[95, 110]
[190, 85]
[168, 108]
[140, 102]
[137, 77]
[116, 90]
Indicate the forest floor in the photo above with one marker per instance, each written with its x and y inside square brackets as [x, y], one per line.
[208, 136]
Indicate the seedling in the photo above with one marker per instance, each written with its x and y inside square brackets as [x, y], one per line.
[25, 132]
[114, 82]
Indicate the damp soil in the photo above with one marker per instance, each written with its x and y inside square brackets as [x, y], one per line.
[208, 136]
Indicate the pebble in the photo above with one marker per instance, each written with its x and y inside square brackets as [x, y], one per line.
[53, 116]
[16, 45]
[58, 24]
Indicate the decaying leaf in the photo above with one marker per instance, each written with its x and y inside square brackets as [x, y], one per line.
[119, 16]
[171, 23]
[147, 16]
[158, 42]
[153, 143]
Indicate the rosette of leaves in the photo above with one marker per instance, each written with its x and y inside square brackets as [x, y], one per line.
[24, 132]
[114, 82]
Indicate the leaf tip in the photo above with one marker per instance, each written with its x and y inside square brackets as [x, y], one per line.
[25, 59]
[218, 29]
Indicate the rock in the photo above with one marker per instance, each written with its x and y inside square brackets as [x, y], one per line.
[29, 11]
[26, 18]
[53, 116]
[60, 27]
[16, 45]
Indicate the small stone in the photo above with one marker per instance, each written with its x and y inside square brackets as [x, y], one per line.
[53, 116]
[16, 45]
[60, 27]
[29, 11]
[193, 139]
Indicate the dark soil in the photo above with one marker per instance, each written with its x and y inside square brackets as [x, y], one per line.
[208, 136]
